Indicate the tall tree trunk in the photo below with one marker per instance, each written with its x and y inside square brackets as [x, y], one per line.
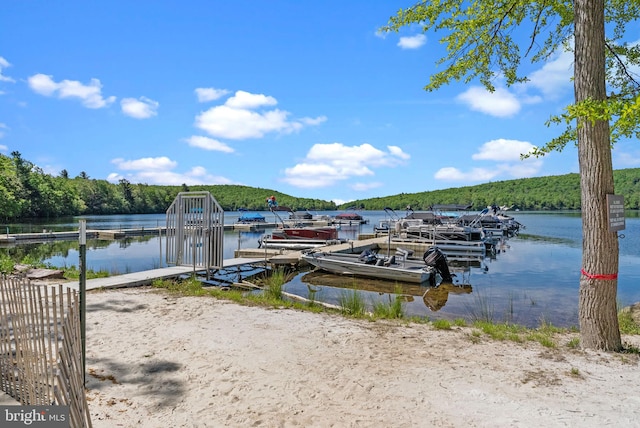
[598, 282]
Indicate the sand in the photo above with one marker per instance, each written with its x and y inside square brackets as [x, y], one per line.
[158, 360]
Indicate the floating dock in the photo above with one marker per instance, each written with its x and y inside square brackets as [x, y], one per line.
[147, 277]
[46, 236]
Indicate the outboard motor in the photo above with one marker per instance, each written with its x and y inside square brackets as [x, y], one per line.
[368, 257]
[435, 258]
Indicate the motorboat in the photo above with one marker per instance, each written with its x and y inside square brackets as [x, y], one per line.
[251, 218]
[297, 236]
[397, 267]
[300, 238]
[349, 218]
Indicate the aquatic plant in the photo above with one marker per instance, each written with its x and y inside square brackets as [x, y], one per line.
[482, 308]
[352, 303]
[274, 284]
[393, 309]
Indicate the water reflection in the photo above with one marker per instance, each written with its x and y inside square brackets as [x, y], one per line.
[435, 298]
[327, 285]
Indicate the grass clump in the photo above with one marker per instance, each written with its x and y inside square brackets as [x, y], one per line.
[626, 322]
[185, 287]
[6, 264]
[273, 285]
[442, 324]
[394, 309]
[544, 335]
[460, 322]
[574, 343]
[73, 273]
[352, 303]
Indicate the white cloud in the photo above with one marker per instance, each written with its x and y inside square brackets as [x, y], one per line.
[626, 159]
[397, 151]
[527, 168]
[3, 148]
[238, 124]
[160, 163]
[361, 187]
[246, 100]
[506, 152]
[90, 95]
[412, 42]
[523, 169]
[208, 144]
[554, 78]
[237, 118]
[503, 150]
[327, 164]
[312, 121]
[475, 175]
[42, 84]
[142, 108]
[4, 64]
[3, 127]
[158, 171]
[210, 94]
[500, 103]
[341, 201]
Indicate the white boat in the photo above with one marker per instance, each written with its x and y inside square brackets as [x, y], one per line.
[394, 268]
[296, 244]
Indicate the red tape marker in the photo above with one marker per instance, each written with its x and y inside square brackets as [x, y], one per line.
[609, 277]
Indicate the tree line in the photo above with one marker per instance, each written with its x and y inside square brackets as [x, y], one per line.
[560, 192]
[26, 191]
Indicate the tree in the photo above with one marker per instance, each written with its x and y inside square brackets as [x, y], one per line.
[127, 193]
[480, 45]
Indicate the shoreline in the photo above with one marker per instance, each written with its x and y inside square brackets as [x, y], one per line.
[156, 359]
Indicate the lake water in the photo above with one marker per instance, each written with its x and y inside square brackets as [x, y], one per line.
[534, 277]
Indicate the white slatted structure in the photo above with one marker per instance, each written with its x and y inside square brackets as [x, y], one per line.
[195, 231]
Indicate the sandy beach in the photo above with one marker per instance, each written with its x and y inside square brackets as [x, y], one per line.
[158, 360]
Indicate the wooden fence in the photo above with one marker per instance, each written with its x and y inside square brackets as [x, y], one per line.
[41, 348]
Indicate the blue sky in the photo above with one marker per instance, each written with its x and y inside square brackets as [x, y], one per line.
[302, 97]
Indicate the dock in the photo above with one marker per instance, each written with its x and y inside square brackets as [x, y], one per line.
[137, 279]
[281, 257]
[48, 235]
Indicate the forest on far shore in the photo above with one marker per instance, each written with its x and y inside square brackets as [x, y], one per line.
[26, 191]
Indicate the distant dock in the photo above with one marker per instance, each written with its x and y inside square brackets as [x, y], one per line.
[47, 235]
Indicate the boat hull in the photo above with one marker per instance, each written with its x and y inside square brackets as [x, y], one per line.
[296, 244]
[349, 264]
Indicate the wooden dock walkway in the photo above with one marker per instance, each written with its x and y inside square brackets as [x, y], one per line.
[358, 246]
[137, 279]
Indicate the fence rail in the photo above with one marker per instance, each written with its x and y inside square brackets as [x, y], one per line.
[40, 347]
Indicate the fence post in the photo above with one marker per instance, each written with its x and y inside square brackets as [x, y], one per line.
[83, 288]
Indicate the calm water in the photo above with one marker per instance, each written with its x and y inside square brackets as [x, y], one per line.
[534, 278]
